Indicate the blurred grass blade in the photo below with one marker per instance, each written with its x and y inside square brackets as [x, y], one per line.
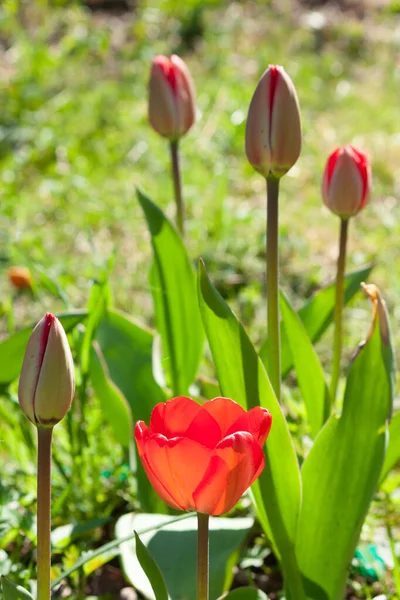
[174, 293]
[242, 377]
[317, 314]
[151, 569]
[127, 350]
[114, 405]
[12, 349]
[309, 372]
[342, 470]
[11, 591]
[393, 450]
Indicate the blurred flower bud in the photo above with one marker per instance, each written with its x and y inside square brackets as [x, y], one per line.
[273, 130]
[172, 101]
[20, 277]
[346, 184]
[47, 383]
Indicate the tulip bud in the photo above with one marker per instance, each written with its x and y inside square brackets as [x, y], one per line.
[172, 102]
[47, 383]
[273, 130]
[346, 183]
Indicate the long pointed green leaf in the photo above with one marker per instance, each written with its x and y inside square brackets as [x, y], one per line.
[393, 450]
[151, 569]
[317, 314]
[174, 292]
[243, 378]
[342, 470]
[11, 591]
[309, 372]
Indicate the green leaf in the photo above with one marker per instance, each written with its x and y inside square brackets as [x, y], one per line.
[127, 350]
[151, 569]
[243, 378]
[99, 300]
[11, 591]
[12, 349]
[62, 536]
[245, 593]
[309, 372]
[115, 407]
[173, 284]
[317, 314]
[393, 450]
[342, 470]
[174, 548]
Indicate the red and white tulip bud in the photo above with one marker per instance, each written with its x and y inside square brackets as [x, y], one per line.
[172, 97]
[47, 382]
[273, 130]
[346, 183]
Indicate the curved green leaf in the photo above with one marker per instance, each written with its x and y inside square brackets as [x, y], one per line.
[342, 470]
[11, 591]
[174, 548]
[317, 314]
[393, 450]
[115, 407]
[309, 372]
[174, 293]
[243, 378]
[151, 569]
[127, 350]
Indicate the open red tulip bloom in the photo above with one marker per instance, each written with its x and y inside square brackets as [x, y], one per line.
[205, 457]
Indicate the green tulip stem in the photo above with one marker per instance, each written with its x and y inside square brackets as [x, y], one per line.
[202, 556]
[338, 317]
[176, 176]
[44, 512]
[274, 344]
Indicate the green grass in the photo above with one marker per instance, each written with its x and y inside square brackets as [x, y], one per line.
[75, 143]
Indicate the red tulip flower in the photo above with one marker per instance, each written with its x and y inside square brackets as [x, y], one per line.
[346, 184]
[205, 457]
[172, 97]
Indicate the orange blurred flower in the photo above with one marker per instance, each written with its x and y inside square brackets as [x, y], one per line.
[20, 277]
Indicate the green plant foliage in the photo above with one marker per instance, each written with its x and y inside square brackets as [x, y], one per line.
[14, 592]
[119, 336]
[317, 314]
[173, 548]
[393, 450]
[309, 372]
[245, 593]
[151, 569]
[342, 470]
[173, 284]
[243, 378]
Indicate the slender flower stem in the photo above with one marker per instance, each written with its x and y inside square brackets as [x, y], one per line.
[176, 176]
[202, 556]
[337, 340]
[44, 513]
[274, 345]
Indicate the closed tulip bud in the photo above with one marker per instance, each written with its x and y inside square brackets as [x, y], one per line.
[172, 102]
[273, 130]
[346, 183]
[47, 383]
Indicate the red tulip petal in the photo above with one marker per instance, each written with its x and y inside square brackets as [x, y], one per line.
[204, 429]
[237, 462]
[172, 418]
[179, 464]
[256, 421]
[141, 436]
[224, 411]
